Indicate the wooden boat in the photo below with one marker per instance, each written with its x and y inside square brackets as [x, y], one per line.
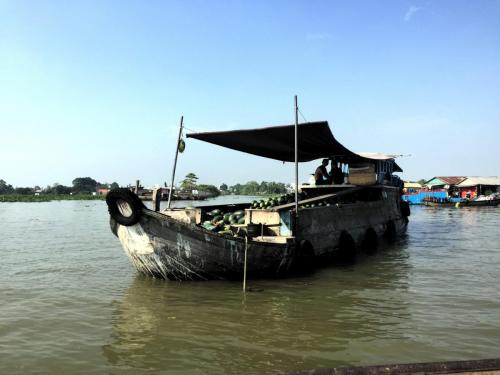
[471, 367]
[463, 203]
[269, 242]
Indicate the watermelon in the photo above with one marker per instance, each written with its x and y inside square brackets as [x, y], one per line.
[217, 218]
[209, 226]
[215, 212]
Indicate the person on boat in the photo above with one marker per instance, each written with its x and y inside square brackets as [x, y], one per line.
[336, 174]
[321, 176]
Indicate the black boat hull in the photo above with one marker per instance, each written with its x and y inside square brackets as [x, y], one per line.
[164, 247]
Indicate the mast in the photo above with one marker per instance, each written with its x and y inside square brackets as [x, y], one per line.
[175, 162]
[296, 159]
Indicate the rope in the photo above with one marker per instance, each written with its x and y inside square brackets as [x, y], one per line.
[301, 115]
[191, 130]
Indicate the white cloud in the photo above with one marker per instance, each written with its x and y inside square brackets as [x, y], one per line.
[317, 36]
[410, 12]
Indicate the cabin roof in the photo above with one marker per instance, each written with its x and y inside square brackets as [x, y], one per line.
[315, 141]
[447, 180]
[474, 181]
[378, 155]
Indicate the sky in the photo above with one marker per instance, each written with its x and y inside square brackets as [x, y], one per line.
[97, 88]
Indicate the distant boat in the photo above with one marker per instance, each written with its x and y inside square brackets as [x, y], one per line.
[482, 201]
[147, 195]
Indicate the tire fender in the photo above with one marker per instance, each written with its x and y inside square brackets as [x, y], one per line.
[124, 206]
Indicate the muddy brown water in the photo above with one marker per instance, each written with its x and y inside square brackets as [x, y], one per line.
[72, 303]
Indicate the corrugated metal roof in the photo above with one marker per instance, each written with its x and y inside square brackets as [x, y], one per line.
[434, 181]
[448, 180]
[452, 180]
[377, 155]
[381, 156]
[474, 181]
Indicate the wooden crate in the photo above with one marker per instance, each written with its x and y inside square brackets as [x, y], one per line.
[362, 175]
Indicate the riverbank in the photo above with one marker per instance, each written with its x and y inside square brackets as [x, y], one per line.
[49, 197]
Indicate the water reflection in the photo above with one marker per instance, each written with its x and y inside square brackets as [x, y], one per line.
[210, 327]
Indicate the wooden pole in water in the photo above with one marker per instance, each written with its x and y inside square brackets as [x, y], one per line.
[296, 158]
[245, 266]
[175, 162]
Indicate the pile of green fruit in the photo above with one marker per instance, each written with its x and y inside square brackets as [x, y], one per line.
[284, 199]
[273, 201]
[318, 204]
[218, 221]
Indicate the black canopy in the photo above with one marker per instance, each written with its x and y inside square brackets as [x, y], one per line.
[315, 141]
[278, 142]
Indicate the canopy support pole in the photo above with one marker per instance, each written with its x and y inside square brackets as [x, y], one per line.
[175, 162]
[296, 159]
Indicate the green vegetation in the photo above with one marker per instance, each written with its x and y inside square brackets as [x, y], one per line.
[83, 188]
[87, 184]
[48, 197]
[211, 189]
[189, 183]
[250, 188]
[6, 188]
[254, 188]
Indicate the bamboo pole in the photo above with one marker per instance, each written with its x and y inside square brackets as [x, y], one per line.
[175, 162]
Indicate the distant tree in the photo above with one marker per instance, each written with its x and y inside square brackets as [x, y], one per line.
[250, 188]
[263, 187]
[61, 189]
[24, 190]
[114, 185]
[254, 188]
[276, 188]
[57, 188]
[422, 181]
[236, 189]
[223, 187]
[189, 182]
[37, 188]
[6, 188]
[84, 184]
[51, 189]
[211, 189]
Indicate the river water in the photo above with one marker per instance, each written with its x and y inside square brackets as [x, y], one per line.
[72, 303]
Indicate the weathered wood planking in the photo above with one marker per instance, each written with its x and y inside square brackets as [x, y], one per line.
[479, 367]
